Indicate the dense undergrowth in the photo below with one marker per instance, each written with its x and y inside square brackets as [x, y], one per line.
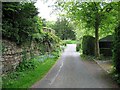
[29, 71]
[22, 25]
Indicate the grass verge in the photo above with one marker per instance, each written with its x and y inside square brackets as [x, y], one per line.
[87, 57]
[69, 41]
[27, 78]
[115, 76]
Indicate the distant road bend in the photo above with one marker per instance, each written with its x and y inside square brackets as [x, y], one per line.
[72, 72]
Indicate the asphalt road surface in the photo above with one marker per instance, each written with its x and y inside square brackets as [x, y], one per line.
[72, 72]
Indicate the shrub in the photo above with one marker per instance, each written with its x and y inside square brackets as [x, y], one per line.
[19, 23]
[116, 50]
[47, 42]
[26, 65]
[78, 47]
[88, 45]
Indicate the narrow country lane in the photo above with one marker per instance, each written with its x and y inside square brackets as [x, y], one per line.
[72, 72]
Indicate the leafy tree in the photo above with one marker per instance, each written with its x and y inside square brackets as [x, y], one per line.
[93, 15]
[116, 50]
[22, 25]
[18, 21]
[50, 24]
[63, 29]
[44, 22]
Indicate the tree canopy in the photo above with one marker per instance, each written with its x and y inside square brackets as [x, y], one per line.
[64, 29]
[99, 17]
[19, 21]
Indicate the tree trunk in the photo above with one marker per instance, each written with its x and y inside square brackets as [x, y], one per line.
[97, 51]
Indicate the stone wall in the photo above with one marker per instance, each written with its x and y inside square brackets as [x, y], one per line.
[12, 55]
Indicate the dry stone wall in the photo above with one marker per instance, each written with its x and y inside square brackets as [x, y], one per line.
[12, 55]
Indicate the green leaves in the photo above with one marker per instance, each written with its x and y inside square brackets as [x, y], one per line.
[18, 21]
[64, 29]
[86, 12]
[92, 16]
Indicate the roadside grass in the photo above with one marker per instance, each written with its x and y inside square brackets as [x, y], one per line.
[69, 41]
[88, 57]
[115, 76]
[25, 79]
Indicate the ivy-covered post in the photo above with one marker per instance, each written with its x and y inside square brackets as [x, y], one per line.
[24, 54]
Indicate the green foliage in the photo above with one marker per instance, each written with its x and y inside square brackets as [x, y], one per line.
[88, 45]
[64, 29]
[116, 45]
[22, 25]
[26, 78]
[115, 76]
[44, 22]
[24, 54]
[69, 41]
[105, 58]
[84, 14]
[2, 48]
[87, 57]
[18, 21]
[78, 48]
[26, 65]
[97, 18]
[47, 42]
[30, 71]
[116, 50]
[50, 24]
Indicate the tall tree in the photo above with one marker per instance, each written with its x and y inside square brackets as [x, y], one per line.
[92, 14]
[18, 20]
[63, 29]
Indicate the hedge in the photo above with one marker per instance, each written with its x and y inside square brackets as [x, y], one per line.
[116, 49]
[88, 45]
